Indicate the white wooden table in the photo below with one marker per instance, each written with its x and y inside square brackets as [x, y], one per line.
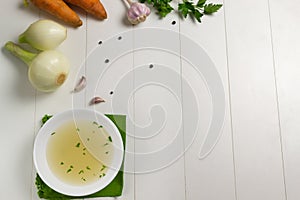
[254, 46]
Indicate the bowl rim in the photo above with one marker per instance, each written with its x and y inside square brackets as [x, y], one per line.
[40, 158]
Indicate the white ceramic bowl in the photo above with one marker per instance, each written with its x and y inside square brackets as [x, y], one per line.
[40, 146]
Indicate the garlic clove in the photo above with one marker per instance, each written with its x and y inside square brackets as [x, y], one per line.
[138, 12]
[96, 100]
[80, 85]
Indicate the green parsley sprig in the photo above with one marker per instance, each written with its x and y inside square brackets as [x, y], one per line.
[162, 7]
[195, 10]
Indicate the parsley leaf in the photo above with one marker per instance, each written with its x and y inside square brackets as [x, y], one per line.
[164, 10]
[183, 9]
[201, 3]
[197, 14]
[211, 8]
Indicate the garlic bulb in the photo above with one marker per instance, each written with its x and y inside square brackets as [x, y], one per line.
[44, 34]
[47, 71]
[137, 12]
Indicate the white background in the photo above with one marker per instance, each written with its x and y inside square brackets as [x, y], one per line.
[255, 48]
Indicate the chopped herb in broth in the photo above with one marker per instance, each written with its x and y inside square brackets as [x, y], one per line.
[71, 161]
[103, 168]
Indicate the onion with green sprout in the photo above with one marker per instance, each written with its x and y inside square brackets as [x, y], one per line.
[47, 70]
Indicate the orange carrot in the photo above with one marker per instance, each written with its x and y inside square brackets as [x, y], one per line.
[59, 9]
[94, 7]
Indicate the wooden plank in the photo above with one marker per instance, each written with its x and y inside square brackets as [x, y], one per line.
[106, 41]
[213, 176]
[285, 32]
[17, 106]
[157, 100]
[257, 149]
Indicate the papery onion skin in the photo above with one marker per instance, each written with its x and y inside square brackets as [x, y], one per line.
[44, 34]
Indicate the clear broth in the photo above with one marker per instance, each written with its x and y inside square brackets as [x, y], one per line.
[69, 156]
